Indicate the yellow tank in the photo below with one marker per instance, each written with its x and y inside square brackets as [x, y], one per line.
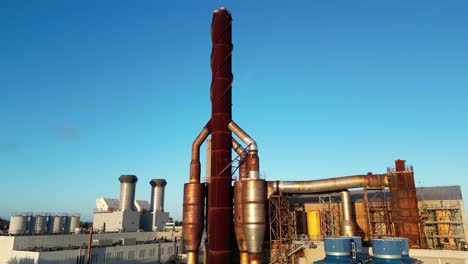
[313, 225]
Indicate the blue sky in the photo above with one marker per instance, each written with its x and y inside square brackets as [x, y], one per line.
[91, 90]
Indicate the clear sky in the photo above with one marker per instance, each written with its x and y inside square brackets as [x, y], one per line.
[91, 90]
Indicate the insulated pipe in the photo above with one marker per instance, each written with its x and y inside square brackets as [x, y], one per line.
[347, 222]
[195, 162]
[252, 160]
[243, 168]
[327, 185]
[127, 192]
[251, 144]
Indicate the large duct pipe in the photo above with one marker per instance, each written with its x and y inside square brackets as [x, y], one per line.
[127, 192]
[348, 226]
[252, 160]
[157, 194]
[220, 192]
[243, 168]
[194, 201]
[327, 185]
[195, 162]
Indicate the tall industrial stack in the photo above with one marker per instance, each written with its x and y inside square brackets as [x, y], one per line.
[127, 192]
[405, 214]
[159, 217]
[126, 218]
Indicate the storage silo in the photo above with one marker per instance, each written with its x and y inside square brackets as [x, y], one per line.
[55, 225]
[18, 224]
[74, 223]
[40, 223]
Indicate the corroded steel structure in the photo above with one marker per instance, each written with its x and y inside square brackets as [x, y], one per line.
[405, 214]
[220, 194]
[250, 196]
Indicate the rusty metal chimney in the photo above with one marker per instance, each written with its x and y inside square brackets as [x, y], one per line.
[220, 193]
[405, 214]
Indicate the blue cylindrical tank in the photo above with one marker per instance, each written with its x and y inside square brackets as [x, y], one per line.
[405, 251]
[356, 242]
[387, 251]
[337, 250]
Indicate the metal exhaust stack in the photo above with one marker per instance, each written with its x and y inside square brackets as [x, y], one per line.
[157, 194]
[348, 226]
[127, 192]
[405, 214]
[157, 198]
[220, 193]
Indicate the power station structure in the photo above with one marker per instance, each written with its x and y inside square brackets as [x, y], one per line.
[128, 214]
[125, 230]
[257, 213]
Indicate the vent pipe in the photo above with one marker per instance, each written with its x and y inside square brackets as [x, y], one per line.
[348, 227]
[127, 192]
[157, 194]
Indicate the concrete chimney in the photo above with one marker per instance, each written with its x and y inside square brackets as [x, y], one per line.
[157, 194]
[127, 192]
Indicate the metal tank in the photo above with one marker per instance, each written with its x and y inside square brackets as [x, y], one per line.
[71, 223]
[127, 192]
[253, 210]
[357, 253]
[337, 250]
[55, 224]
[405, 250]
[313, 225]
[18, 225]
[386, 250]
[74, 223]
[157, 194]
[40, 224]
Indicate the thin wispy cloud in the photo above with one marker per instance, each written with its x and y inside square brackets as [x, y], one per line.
[9, 147]
[66, 132]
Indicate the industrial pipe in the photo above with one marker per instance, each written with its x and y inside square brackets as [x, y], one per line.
[253, 163]
[194, 201]
[347, 222]
[243, 168]
[327, 185]
[251, 144]
[195, 162]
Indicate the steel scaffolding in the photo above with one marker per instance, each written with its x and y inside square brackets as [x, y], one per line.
[282, 228]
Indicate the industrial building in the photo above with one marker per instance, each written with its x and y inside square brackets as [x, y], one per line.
[125, 231]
